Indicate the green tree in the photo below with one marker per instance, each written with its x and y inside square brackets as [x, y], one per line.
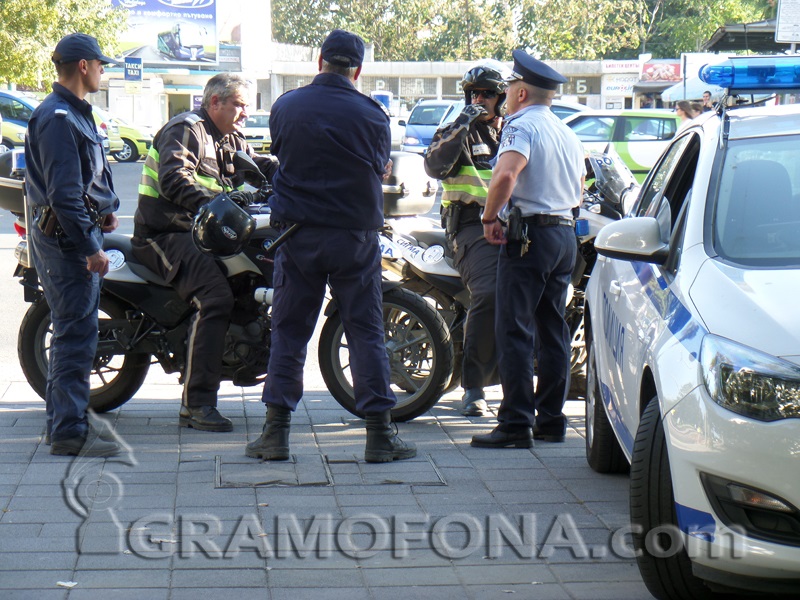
[430, 30]
[681, 26]
[29, 32]
[585, 30]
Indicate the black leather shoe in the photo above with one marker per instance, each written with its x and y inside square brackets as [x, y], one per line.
[383, 443]
[273, 443]
[84, 446]
[547, 436]
[204, 418]
[473, 403]
[519, 438]
[105, 433]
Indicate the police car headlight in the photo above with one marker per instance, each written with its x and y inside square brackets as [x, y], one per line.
[411, 141]
[749, 382]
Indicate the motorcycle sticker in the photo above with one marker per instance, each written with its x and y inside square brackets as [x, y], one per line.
[116, 259]
[433, 254]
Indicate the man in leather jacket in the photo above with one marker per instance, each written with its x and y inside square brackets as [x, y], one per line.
[460, 155]
[189, 163]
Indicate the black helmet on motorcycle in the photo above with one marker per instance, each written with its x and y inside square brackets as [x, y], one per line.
[222, 228]
[485, 78]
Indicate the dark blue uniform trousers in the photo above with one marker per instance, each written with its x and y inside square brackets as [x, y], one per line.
[73, 294]
[476, 261]
[350, 262]
[531, 297]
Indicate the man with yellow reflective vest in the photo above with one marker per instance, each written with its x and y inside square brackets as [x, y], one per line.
[189, 163]
[459, 155]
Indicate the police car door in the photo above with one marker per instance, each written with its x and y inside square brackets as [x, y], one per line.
[633, 293]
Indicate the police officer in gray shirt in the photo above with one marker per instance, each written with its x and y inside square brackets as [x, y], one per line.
[539, 176]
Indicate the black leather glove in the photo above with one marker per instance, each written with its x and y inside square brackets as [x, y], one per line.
[470, 113]
[242, 197]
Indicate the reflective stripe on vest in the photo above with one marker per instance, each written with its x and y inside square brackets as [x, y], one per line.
[149, 186]
[469, 185]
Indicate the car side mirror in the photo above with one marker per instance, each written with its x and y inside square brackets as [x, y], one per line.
[402, 122]
[633, 239]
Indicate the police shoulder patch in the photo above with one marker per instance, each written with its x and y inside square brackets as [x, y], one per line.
[60, 112]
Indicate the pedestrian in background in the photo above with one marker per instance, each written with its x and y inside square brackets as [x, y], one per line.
[539, 174]
[459, 155]
[685, 110]
[333, 144]
[69, 187]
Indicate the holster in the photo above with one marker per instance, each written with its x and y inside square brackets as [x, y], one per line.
[48, 222]
[514, 232]
[451, 218]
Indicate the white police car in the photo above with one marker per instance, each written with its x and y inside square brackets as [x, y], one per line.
[694, 348]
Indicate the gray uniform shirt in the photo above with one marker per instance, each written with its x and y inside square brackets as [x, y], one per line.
[551, 181]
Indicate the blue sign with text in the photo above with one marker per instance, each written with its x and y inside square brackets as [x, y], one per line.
[133, 68]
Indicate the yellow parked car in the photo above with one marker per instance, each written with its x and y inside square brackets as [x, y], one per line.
[105, 123]
[136, 141]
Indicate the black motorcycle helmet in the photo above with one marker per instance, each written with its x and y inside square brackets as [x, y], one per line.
[485, 78]
[222, 228]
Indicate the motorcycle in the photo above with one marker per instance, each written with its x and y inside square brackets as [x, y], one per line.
[415, 250]
[143, 320]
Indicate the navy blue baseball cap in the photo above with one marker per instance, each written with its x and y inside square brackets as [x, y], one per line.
[79, 46]
[534, 72]
[343, 48]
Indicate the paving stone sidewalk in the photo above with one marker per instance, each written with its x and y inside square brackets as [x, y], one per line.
[184, 514]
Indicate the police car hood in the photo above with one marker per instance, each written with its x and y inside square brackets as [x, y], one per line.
[754, 307]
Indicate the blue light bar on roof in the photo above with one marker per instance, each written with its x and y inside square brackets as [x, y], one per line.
[763, 73]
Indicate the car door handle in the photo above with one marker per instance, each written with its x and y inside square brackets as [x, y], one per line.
[614, 288]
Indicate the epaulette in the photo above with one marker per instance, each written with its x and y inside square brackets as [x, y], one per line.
[192, 118]
[60, 112]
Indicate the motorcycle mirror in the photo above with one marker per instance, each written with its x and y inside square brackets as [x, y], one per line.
[243, 162]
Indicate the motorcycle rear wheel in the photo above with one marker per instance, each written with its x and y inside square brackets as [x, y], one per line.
[114, 379]
[420, 353]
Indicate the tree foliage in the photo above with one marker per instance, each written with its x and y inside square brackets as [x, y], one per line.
[552, 29]
[684, 26]
[29, 32]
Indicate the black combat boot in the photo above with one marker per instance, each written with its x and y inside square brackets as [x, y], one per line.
[383, 445]
[274, 441]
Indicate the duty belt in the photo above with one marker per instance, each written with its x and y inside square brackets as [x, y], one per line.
[548, 221]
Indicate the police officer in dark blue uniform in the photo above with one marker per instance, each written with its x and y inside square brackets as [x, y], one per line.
[539, 175]
[333, 145]
[69, 188]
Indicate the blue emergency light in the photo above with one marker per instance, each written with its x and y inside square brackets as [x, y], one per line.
[754, 74]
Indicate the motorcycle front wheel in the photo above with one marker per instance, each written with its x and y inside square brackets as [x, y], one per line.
[114, 379]
[420, 352]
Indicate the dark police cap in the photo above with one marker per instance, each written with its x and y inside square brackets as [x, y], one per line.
[79, 46]
[534, 72]
[343, 48]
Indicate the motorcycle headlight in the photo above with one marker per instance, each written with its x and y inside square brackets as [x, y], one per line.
[749, 382]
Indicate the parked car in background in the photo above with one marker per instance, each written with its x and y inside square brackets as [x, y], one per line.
[423, 121]
[105, 122]
[694, 349]
[638, 136]
[564, 109]
[256, 132]
[136, 141]
[16, 109]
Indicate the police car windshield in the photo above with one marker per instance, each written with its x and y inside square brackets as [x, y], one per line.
[427, 115]
[757, 213]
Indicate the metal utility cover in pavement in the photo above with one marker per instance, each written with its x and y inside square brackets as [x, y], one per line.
[344, 469]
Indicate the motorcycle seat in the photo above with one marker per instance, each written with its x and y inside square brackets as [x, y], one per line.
[122, 243]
